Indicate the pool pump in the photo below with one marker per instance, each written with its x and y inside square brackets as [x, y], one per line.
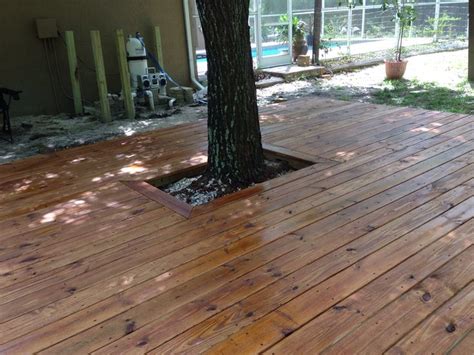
[146, 81]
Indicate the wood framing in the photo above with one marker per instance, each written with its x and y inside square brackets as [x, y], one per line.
[74, 72]
[101, 77]
[125, 75]
[151, 188]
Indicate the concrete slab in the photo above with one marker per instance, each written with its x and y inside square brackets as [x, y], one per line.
[289, 72]
[265, 83]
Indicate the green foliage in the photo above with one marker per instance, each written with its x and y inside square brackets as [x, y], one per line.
[404, 13]
[375, 31]
[333, 26]
[325, 45]
[298, 29]
[445, 24]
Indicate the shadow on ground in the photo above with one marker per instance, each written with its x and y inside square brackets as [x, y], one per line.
[425, 95]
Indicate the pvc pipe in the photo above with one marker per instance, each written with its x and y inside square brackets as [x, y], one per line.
[151, 100]
[189, 40]
[149, 97]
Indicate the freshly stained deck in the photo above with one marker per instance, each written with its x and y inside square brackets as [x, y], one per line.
[369, 250]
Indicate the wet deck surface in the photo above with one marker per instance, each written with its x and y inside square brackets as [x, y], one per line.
[369, 250]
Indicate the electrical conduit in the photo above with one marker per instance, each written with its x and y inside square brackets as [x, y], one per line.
[189, 40]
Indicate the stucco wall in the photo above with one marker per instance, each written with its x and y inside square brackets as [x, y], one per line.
[23, 62]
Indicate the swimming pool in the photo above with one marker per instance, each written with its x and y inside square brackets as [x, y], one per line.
[272, 50]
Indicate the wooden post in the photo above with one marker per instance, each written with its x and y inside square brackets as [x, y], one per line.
[317, 28]
[436, 20]
[74, 72]
[159, 48]
[101, 79]
[471, 41]
[125, 75]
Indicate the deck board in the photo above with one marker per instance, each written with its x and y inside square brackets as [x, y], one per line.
[313, 261]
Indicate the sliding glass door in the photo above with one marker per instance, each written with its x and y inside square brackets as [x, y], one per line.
[273, 32]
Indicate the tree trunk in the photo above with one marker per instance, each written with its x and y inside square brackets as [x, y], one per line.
[318, 4]
[471, 41]
[235, 144]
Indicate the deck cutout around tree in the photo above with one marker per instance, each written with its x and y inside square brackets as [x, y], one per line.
[152, 188]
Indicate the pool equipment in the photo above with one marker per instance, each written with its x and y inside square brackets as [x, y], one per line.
[144, 79]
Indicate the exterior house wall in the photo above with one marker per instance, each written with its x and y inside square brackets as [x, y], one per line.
[23, 63]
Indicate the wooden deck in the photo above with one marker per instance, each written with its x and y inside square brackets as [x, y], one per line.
[369, 250]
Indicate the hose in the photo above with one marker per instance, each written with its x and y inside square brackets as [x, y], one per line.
[82, 61]
[51, 75]
[58, 73]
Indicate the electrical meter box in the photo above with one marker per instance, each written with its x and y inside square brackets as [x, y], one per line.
[47, 28]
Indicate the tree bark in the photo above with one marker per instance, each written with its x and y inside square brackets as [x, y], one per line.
[235, 153]
[318, 4]
[471, 41]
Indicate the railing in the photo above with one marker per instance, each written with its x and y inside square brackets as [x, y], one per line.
[436, 20]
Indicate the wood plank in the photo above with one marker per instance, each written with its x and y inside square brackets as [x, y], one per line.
[87, 264]
[356, 131]
[310, 132]
[279, 324]
[73, 211]
[396, 133]
[85, 258]
[329, 193]
[444, 328]
[89, 296]
[282, 152]
[369, 136]
[373, 332]
[24, 243]
[161, 197]
[24, 256]
[40, 162]
[69, 190]
[232, 319]
[90, 160]
[237, 292]
[125, 75]
[101, 77]
[376, 334]
[465, 346]
[369, 190]
[74, 72]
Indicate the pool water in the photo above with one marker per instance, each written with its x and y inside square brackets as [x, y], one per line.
[272, 50]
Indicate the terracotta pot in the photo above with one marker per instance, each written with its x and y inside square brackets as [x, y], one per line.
[395, 69]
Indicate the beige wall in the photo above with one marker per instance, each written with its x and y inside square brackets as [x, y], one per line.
[23, 62]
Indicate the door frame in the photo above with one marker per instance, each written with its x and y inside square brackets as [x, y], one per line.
[276, 60]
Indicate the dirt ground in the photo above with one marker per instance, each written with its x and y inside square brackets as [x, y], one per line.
[45, 133]
[40, 134]
[446, 69]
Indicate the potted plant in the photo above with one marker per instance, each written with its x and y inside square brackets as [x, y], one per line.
[404, 14]
[298, 41]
